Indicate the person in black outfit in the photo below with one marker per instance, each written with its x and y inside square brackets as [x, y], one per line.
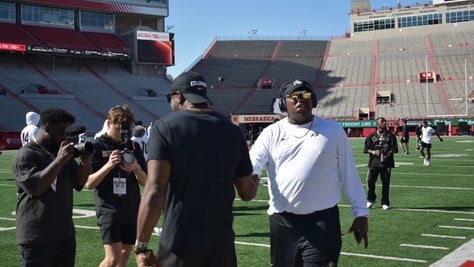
[118, 168]
[405, 139]
[196, 159]
[46, 174]
[380, 145]
[419, 133]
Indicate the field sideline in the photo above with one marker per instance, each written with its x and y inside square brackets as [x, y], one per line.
[432, 215]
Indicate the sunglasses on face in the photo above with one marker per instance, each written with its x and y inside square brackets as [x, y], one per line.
[295, 96]
[168, 96]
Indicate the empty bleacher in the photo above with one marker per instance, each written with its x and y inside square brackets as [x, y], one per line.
[108, 42]
[61, 38]
[346, 74]
[243, 49]
[14, 33]
[83, 93]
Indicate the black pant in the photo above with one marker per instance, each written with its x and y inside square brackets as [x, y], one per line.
[305, 240]
[372, 176]
[53, 254]
[224, 255]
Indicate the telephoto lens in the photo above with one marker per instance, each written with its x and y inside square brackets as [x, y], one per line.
[83, 149]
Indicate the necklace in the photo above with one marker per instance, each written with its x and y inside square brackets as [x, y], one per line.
[307, 131]
[51, 155]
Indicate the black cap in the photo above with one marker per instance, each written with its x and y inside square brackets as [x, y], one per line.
[297, 85]
[193, 87]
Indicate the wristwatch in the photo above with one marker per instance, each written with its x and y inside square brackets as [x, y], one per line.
[140, 247]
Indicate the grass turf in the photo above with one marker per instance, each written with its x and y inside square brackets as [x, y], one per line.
[432, 214]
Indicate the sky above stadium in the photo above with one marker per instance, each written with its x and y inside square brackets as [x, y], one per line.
[197, 23]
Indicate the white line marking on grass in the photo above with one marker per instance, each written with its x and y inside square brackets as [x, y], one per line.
[87, 227]
[7, 228]
[383, 257]
[464, 219]
[423, 246]
[80, 213]
[456, 227]
[449, 155]
[252, 244]
[436, 187]
[8, 185]
[346, 253]
[7, 219]
[423, 210]
[444, 236]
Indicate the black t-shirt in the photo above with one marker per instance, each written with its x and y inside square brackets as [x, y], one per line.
[115, 206]
[386, 142]
[48, 217]
[207, 153]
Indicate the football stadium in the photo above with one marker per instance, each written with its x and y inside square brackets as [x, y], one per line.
[401, 62]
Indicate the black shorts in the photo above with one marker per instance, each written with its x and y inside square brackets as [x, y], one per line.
[423, 144]
[224, 255]
[125, 233]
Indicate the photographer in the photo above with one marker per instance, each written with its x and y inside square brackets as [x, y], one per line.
[118, 167]
[46, 173]
[380, 145]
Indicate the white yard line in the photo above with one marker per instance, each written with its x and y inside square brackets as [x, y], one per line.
[456, 227]
[444, 236]
[423, 246]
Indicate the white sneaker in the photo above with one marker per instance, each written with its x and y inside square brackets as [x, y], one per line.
[158, 230]
[427, 163]
[385, 207]
[370, 205]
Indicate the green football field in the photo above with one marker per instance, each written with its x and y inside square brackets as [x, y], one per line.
[432, 214]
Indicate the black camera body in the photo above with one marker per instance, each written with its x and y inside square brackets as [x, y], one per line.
[128, 156]
[126, 147]
[80, 148]
[383, 150]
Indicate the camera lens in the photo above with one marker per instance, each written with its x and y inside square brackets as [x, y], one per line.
[83, 149]
[128, 156]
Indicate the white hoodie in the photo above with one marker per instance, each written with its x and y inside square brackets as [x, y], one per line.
[31, 130]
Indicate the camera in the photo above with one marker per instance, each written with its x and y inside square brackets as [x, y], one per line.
[126, 147]
[383, 151]
[81, 147]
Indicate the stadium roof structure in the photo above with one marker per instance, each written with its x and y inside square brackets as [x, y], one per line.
[109, 6]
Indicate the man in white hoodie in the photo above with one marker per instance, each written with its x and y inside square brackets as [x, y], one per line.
[31, 129]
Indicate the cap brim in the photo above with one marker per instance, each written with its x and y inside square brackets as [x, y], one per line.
[196, 99]
[298, 87]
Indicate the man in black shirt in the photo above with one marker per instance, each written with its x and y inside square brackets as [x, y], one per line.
[380, 145]
[46, 174]
[196, 158]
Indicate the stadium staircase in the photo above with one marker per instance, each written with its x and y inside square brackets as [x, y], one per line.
[440, 85]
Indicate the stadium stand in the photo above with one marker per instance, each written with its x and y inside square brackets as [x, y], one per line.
[108, 42]
[55, 37]
[14, 33]
[369, 72]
